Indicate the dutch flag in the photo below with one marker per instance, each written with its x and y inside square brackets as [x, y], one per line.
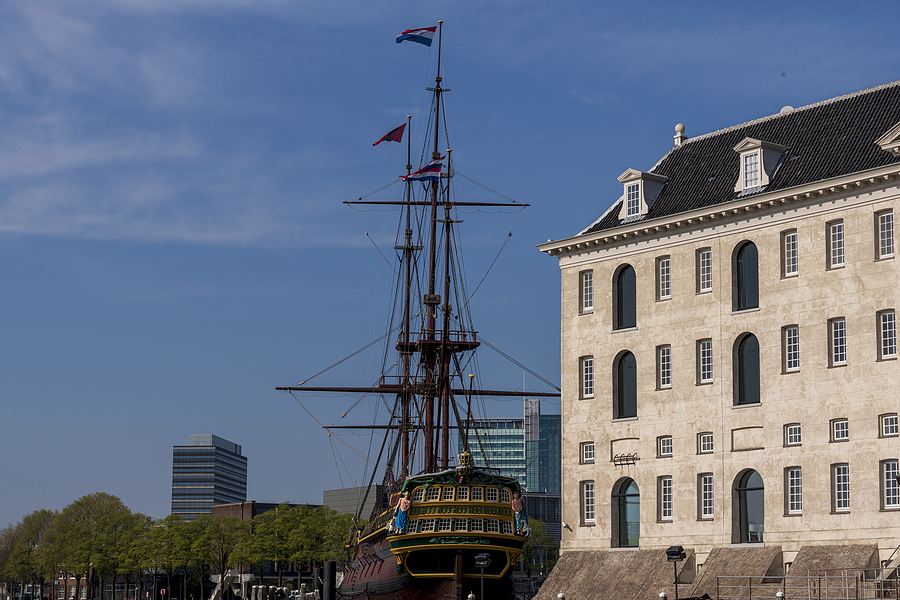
[420, 36]
[430, 172]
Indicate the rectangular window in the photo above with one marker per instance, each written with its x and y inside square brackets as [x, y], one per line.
[462, 493]
[705, 443]
[705, 485]
[507, 527]
[434, 493]
[460, 524]
[444, 524]
[890, 492]
[887, 335]
[837, 341]
[794, 490]
[840, 485]
[587, 452]
[792, 435]
[633, 199]
[587, 291]
[704, 270]
[665, 498]
[587, 377]
[790, 265]
[426, 525]
[704, 361]
[490, 494]
[587, 502]
[492, 526]
[840, 430]
[790, 348]
[664, 366]
[835, 232]
[663, 278]
[885, 234]
[665, 445]
[476, 524]
[448, 493]
[751, 170]
[477, 494]
[889, 425]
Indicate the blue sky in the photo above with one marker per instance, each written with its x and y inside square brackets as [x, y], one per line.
[173, 243]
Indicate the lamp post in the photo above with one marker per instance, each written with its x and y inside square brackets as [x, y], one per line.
[482, 560]
[673, 555]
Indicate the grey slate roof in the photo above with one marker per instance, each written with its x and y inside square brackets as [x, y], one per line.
[824, 140]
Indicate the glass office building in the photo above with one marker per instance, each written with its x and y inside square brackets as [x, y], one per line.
[206, 472]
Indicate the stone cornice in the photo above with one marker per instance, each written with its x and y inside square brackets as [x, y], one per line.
[726, 212]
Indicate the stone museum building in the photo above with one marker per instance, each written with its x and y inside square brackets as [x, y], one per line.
[729, 358]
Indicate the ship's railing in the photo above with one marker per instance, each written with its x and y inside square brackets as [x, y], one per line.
[453, 336]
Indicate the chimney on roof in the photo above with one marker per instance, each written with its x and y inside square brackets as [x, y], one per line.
[679, 138]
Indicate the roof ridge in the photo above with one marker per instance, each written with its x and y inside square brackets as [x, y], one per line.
[780, 114]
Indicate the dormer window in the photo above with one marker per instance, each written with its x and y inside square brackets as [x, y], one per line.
[758, 163]
[641, 191]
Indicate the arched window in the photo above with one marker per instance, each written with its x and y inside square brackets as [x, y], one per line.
[625, 386]
[746, 370]
[624, 311]
[745, 277]
[626, 517]
[749, 498]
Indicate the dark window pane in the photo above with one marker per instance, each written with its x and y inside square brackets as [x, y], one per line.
[626, 313]
[748, 370]
[747, 277]
[628, 506]
[751, 500]
[626, 386]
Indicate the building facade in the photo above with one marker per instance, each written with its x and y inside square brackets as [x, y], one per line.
[208, 471]
[728, 340]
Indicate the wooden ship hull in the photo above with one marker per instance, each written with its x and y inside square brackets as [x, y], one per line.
[454, 516]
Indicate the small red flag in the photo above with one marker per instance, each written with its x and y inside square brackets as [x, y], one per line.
[394, 135]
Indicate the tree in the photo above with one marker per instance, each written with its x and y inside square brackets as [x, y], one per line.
[321, 535]
[8, 538]
[222, 541]
[540, 549]
[31, 548]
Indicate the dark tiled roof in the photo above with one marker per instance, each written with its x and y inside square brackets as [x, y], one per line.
[825, 140]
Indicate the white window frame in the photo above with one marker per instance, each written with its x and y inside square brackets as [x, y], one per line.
[477, 494]
[837, 342]
[790, 255]
[790, 338]
[632, 199]
[460, 524]
[462, 494]
[840, 430]
[705, 496]
[889, 425]
[704, 361]
[887, 335]
[587, 453]
[793, 434]
[491, 494]
[664, 366]
[836, 246]
[884, 223]
[704, 270]
[507, 527]
[588, 505]
[664, 445]
[664, 278]
[750, 170]
[586, 291]
[705, 443]
[492, 526]
[587, 376]
[666, 504]
[447, 494]
[419, 494]
[476, 524]
[444, 524]
[890, 490]
[433, 493]
[794, 487]
[840, 487]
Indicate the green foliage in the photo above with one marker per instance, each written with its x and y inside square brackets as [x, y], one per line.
[540, 549]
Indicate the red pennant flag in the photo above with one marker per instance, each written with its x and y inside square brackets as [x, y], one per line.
[394, 135]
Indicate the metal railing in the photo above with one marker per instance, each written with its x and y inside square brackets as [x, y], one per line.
[833, 584]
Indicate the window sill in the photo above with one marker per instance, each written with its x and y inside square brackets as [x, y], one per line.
[837, 366]
[790, 275]
[748, 545]
[709, 291]
[620, 419]
[664, 299]
[748, 405]
[587, 524]
[791, 372]
[741, 311]
[586, 312]
[888, 436]
[706, 519]
[887, 257]
[625, 549]
[795, 514]
[890, 509]
[664, 520]
[664, 455]
[834, 267]
[624, 329]
[887, 358]
[792, 445]
[710, 382]
[841, 512]
[839, 441]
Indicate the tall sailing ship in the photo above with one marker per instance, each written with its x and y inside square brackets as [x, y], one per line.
[446, 530]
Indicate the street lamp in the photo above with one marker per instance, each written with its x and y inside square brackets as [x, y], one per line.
[483, 560]
[673, 555]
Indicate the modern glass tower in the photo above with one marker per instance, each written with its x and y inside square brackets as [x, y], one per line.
[498, 444]
[208, 471]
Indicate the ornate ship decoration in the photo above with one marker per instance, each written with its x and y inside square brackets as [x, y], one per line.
[422, 540]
